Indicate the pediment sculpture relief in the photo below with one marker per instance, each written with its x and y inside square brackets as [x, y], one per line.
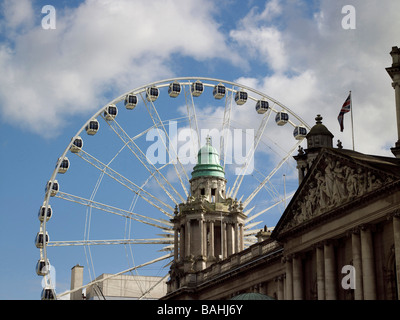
[332, 184]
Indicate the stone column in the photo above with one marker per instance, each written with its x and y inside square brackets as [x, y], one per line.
[237, 248]
[394, 72]
[188, 235]
[205, 246]
[212, 240]
[319, 252]
[225, 241]
[201, 237]
[368, 268]
[297, 278]
[289, 278]
[280, 295]
[229, 233]
[241, 246]
[396, 233]
[176, 246]
[356, 252]
[330, 271]
[182, 243]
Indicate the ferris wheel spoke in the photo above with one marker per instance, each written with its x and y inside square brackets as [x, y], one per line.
[141, 156]
[269, 187]
[144, 294]
[159, 223]
[262, 184]
[225, 126]
[70, 243]
[167, 256]
[155, 202]
[179, 169]
[248, 219]
[250, 154]
[191, 114]
[251, 225]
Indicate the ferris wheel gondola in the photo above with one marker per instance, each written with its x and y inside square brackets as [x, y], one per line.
[131, 101]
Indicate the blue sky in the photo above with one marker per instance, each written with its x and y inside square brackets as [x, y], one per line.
[53, 80]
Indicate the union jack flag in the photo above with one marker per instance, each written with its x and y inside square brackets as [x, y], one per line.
[345, 109]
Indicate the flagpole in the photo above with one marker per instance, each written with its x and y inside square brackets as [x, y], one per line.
[352, 125]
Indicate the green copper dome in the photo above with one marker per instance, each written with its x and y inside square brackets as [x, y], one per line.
[208, 162]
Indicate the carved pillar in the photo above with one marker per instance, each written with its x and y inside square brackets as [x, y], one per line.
[224, 240]
[182, 243]
[188, 235]
[176, 246]
[237, 248]
[297, 278]
[289, 278]
[212, 240]
[230, 238]
[201, 237]
[394, 72]
[368, 268]
[330, 271]
[356, 252]
[280, 293]
[241, 246]
[395, 217]
[205, 235]
[319, 251]
[396, 234]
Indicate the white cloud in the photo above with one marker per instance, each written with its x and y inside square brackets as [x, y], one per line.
[99, 47]
[322, 62]
[262, 42]
[17, 14]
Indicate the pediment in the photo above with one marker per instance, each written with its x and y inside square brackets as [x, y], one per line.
[334, 180]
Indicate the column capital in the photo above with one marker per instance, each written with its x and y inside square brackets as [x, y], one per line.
[367, 227]
[329, 242]
[279, 278]
[318, 245]
[395, 84]
[393, 214]
[287, 258]
[355, 231]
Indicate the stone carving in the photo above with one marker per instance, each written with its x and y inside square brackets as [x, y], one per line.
[332, 184]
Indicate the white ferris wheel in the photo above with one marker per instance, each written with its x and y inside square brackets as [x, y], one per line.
[110, 198]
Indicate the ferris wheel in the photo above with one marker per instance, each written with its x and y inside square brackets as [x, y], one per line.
[117, 183]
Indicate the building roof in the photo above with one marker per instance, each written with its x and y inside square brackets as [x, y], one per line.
[208, 163]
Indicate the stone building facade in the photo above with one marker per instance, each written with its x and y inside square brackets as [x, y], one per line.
[339, 237]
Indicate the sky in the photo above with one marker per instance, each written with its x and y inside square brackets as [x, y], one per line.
[301, 53]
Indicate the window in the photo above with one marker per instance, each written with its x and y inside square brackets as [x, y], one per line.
[213, 192]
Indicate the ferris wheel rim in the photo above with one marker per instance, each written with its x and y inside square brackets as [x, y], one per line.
[137, 90]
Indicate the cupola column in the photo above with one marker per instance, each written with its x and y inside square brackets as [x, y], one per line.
[394, 72]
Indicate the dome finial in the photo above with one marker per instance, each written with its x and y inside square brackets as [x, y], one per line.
[318, 119]
[208, 140]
